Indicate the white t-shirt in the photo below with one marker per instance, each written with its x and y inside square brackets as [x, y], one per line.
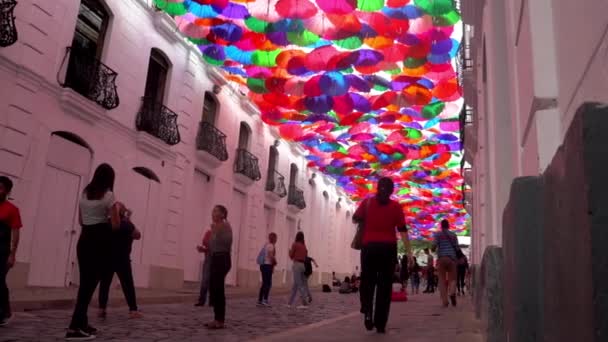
[270, 250]
[96, 211]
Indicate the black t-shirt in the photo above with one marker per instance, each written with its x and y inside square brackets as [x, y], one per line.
[122, 239]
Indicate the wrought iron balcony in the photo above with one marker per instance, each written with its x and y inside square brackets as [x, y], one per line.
[8, 30]
[296, 197]
[212, 140]
[247, 165]
[276, 184]
[90, 78]
[157, 120]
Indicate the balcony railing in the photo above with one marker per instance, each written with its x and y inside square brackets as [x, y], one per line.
[296, 197]
[8, 30]
[157, 120]
[276, 184]
[247, 164]
[90, 78]
[211, 140]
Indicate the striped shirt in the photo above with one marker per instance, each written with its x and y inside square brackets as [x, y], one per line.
[445, 241]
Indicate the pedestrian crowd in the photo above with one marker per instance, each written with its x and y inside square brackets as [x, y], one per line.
[107, 236]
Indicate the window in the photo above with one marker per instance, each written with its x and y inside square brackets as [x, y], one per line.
[87, 46]
[293, 174]
[210, 108]
[244, 135]
[91, 25]
[158, 71]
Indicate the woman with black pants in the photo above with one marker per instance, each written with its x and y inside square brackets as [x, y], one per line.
[98, 216]
[380, 216]
[220, 247]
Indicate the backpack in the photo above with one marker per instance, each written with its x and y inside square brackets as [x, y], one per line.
[262, 256]
[308, 266]
[326, 288]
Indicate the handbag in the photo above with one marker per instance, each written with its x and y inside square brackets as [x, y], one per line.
[459, 253]
[357, 242]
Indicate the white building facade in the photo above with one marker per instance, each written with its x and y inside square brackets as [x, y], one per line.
[130, 91]
[528, 67]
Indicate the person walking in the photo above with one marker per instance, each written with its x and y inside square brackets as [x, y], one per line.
[206, 270]
[380, 216]
[404, 272]
[120, 260]
[298, 253]
[267, 263]
[462, 268]
[98, 216]
[430, 272]
[220, 247]
[445, 243]
[10, 226]
[415, 275]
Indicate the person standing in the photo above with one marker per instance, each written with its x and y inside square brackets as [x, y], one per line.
[267, 269]
[380, 216]
[206, 270]
[98, 216]
[10, 225]
[220, 247]
[122, 244]
[430, 272]
[445, 244]
[298, 253]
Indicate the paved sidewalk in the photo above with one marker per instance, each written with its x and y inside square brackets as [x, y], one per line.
[421, 319]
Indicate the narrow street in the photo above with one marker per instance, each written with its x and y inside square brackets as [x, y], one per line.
[332, 317]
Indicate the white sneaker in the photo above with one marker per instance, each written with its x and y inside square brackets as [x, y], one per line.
[266, 304]
[302, 307]
[289, 306]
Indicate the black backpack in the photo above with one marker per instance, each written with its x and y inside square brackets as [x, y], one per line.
[326, 288]
[307, 266]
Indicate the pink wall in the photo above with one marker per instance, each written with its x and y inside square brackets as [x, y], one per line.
[33, 105]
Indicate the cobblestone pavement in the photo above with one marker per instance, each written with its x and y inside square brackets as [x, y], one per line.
[332, 317]
[183, 322]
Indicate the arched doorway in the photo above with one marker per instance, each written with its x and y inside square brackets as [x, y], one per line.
[56, 228]
[143, 199]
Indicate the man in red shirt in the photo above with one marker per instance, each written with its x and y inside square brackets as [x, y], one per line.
[204, 248]
[10, 223]
[382, 217]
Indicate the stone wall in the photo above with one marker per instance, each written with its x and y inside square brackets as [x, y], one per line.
[554, 253]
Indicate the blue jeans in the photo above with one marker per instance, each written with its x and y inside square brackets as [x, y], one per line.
[300, 283]
[266, 282]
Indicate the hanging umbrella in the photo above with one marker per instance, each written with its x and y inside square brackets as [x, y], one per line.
[296, 9]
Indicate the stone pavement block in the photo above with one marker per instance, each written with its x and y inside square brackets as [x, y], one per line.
[575, 257]
[595, 127]
[523, 250]
[490, 294]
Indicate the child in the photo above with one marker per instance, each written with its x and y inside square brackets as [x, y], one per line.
[122, 241]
